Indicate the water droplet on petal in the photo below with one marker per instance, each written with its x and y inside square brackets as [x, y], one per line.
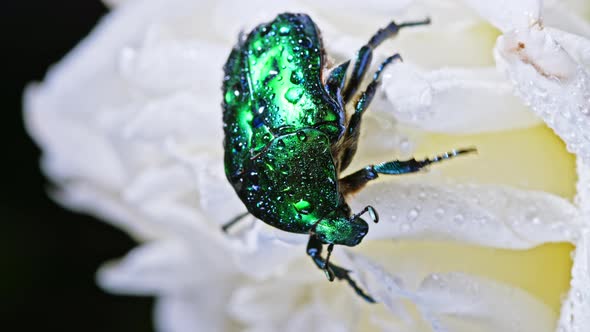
[413, 214]
[439, 212]
[404, 227]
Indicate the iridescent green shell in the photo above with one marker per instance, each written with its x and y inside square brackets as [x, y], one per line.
[280, 124]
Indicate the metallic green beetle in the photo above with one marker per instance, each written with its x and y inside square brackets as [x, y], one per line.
[288, 136]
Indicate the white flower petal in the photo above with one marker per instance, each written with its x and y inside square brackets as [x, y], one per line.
[164, 267]
[577, 46]
[455, 100]
[507, 14]
[486, 215]
[202, 309]
[456, 302]
[485, 305]
[113, 3]
[548, 79]
[583, 188]
[349, 8]
[256, 304]
[232, 17]
[559, 14]
[165, 63]
[575, 309]
[94, 160]
[88, 198]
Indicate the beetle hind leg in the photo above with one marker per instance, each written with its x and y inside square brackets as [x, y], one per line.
[357, 180]
[314, 250]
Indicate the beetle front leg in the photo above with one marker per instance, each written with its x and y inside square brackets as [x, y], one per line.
[365, 55]
[357, 180]
[314, 250]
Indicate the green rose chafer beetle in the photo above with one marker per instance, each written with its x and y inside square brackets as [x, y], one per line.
[288, 136]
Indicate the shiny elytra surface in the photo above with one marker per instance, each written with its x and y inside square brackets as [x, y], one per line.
[280, 124]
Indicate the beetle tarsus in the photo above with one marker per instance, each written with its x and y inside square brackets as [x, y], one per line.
[365, 54]
[314, 250]
[234, 221]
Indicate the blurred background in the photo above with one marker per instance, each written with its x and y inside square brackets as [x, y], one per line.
[48, 255]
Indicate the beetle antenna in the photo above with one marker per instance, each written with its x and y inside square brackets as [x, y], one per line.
[372, 213]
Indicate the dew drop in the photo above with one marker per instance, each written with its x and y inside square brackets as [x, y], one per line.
[459, 219]
[404, 145]
[439, 212]
[413, 214]
[404, 227]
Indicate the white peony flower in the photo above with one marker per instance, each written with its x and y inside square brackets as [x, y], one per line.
[130, 126]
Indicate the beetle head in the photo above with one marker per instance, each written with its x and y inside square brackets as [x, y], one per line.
[339, 228]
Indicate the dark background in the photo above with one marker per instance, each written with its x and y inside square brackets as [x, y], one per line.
[48, 255]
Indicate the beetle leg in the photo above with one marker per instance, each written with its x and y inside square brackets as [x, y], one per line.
[329, 272]
[234, 221]
[314, 250]
[357, 180]
[365, 54]
[336, 80]
[352, 133]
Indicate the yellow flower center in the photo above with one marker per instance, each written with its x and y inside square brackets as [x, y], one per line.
[533, 158]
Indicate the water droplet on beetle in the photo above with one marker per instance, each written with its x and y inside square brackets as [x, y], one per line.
[284, 30]
[305, 42]
[294, 94]
[303, 206]
[296, 77]
[301, 135]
